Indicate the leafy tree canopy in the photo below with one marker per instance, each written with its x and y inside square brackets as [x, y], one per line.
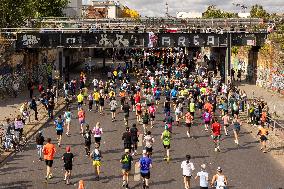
[13, 13]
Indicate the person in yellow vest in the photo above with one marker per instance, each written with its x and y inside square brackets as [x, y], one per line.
[80, 100]
[96, 96]
[115, 74]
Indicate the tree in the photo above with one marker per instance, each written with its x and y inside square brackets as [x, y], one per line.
[130, 13]
[213, 12]
[50, 8]
[257, 11]
[15, 13]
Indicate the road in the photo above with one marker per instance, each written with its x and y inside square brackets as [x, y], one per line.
[246, 167]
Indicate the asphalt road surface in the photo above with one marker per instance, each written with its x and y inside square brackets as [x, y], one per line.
[246, 166]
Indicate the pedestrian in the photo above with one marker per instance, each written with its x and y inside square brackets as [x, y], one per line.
[31, 88]
[59, 125]
[49, 152]
[237, 127]
[97, 157]
[188, 121]
[101, 103]
[134, 139]
[126, 161]
[138, 112]
[187, 168]
[68, 159]
[33, 106]
[81, 117]
[152, 112]
[216, 134]
[203, 177]
[113, 106]
[219, 180]
[166, 136]
[98, 131]
[91, 101]
[226, 119]
[50, 108]
[262, 132]
[81, 185]
[126, 110]
[67, 116]
[207, 118]
[126, 137]
[145, 121]
[88, 140]
[145, 164]
[39, 144]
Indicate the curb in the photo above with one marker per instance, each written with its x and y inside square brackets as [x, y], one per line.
[31, 133]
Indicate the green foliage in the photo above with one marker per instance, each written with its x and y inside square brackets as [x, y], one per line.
[14, 13]
[213, 12]
[257, 11]
[235, 50]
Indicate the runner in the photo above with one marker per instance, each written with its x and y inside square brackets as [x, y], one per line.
[134, 139]
[88, 140]
[81, 117]
[138, 112]
[145, 164]
[113, 106]
[39, 144]
[97, 156]
[101, 103]
[145, 121]
[98, 131]
[216, 134]
[188, 121]
[91, 101]
[68, 158]
[126, 110]
[152, 111]
[178, 112]
[187, 168]
[59, 125]
[203, 177]
[169, 121]
[126, 161]
[48, 152]
[207, 118]
[80, 100]
[166, 136]
[219, 180]
[96, 97]
[149, 140]
[262, 132]
[237, 127]
[191, 107]
[67, 116]
[127, 140]
[226, 119]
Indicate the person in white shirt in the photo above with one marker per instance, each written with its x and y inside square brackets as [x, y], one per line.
[203, 177]
[187, 168]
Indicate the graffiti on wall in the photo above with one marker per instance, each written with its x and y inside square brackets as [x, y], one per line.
[277, 82]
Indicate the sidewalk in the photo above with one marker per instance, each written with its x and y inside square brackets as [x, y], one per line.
[275, 101]
[10, 109]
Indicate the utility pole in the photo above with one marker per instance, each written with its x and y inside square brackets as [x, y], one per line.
[167, 10]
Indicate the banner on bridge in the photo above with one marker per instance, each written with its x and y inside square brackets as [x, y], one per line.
[134, 40]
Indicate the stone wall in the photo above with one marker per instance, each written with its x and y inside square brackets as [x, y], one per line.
[269, 71]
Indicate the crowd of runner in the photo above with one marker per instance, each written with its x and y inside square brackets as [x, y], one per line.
[184, 97]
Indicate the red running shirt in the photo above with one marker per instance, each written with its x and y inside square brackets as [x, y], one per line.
[216, 128]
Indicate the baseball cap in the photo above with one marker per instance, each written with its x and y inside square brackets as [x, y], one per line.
[126, 150]
[203, 166]
[144, 152]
